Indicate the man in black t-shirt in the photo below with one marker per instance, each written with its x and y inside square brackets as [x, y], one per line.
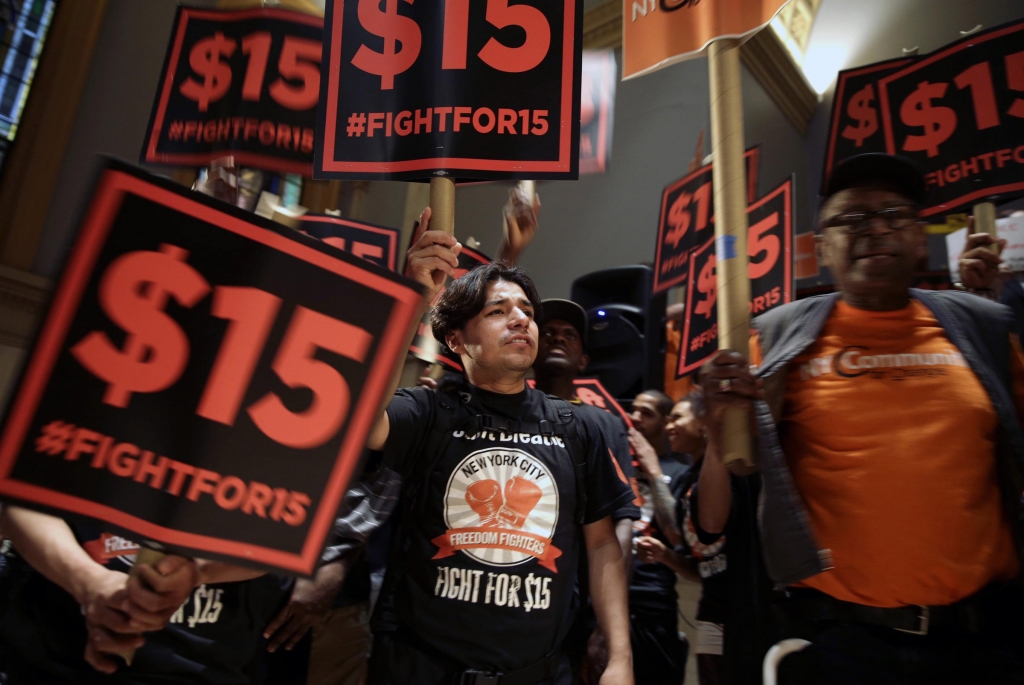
[561, 357]
[499, 487]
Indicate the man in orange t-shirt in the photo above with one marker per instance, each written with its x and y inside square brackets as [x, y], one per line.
[904, 450]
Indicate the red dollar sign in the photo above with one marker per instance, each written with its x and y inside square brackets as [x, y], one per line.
[707, 283]
[133, 292]
[679, 219]
[861, 109]
[393, 28]
[205, 61]
[938, 122]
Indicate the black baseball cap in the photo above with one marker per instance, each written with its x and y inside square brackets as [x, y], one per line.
[565, 310]
[901, 172]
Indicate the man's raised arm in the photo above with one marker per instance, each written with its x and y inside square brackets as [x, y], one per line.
[432, 258]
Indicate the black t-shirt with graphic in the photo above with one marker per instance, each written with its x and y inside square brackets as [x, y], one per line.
[617, 439]
[213, 639]
[490, 562]
[652, 589]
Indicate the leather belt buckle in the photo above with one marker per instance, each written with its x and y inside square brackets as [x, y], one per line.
[923, 619]
[480, 678]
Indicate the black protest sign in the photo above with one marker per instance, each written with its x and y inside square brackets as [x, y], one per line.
[959, 112]
[482, 90]
[769, 248]
[424, 345]
[242, 83]
[597, 110]
[590, 391]
[856, 126]
[377, 244]
[686, 220]
[204, 378]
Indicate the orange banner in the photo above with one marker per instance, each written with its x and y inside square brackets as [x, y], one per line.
[497, 538]
[657, 33]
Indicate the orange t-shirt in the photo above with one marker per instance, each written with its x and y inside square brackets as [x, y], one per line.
[891, 440]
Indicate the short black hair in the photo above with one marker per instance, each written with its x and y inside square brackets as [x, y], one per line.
[466, 296]
[662, 402]
[695, 398]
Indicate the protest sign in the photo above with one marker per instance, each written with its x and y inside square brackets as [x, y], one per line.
[769, 248]
[590, 391]
[204, 379]
[685, 204]
[856, 126]
[657, 33]
[244, 83]
[483, 90]
[377, 244]
[597, 110]
[959, 112]
[805, 259]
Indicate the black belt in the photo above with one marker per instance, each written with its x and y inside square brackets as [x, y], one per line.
[542, 670]
[967, 615]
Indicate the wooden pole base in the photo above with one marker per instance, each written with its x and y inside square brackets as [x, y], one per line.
[442, 204]
[985, 221]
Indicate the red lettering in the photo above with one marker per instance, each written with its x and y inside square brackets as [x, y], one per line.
[226, 485]
[284, 135]
[156, 473]
[295, 511]
[968, 167]
[478, 115]
[442, 117]
[178, 479]
[403, 123]
[280, 500]
[267, 132]
[99, 459]
[122, 462]
[425, 121]
[84, 442]
[1003, 156]
[259, 497]
[506, 121]
[462, 116]
[203, 481]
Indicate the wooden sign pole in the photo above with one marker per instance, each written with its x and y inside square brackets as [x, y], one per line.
[730, 185]
[985, 221]
[442, 204]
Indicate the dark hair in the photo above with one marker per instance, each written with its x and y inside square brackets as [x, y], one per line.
[696, 401]
[662, 402]
[466, 296]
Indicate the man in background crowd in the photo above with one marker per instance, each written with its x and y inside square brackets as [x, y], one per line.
[685, 432]
[891, 452]
[659, 651]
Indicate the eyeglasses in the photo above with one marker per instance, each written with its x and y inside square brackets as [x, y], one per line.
[897, 218]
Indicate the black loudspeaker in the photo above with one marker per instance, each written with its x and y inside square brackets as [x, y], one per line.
[626, 340]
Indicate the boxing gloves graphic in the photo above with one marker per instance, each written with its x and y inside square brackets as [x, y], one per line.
[521, 496]
[495, 511]
[484, 496]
